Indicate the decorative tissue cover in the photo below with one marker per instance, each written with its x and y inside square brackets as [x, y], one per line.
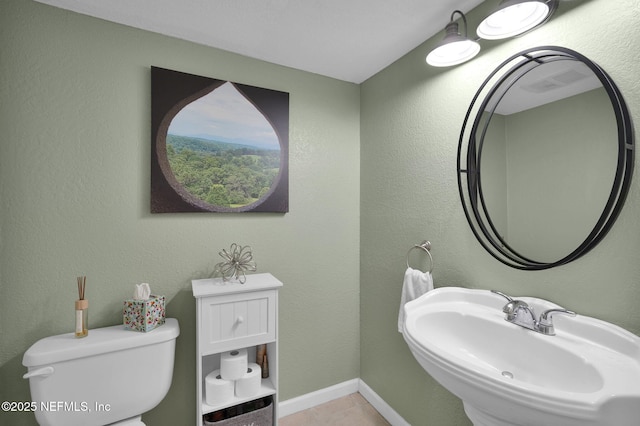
[143, 315]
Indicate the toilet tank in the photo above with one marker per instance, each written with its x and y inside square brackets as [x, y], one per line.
[110, 375]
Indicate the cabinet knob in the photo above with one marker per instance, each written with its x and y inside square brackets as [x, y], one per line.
[240, 319]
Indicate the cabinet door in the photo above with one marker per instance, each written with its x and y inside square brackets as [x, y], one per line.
[237, 320]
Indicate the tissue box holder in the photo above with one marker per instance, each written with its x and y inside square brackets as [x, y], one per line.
[143, 315]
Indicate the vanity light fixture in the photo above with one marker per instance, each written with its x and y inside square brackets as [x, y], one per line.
[454, 49]
[514, 17]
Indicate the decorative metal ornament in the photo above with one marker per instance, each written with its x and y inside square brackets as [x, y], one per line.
[238, 260]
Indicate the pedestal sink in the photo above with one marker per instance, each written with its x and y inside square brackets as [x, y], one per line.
[587, 374]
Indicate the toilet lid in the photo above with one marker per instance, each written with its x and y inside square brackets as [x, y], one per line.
[64, 347]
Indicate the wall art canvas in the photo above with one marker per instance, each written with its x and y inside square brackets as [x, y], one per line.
[217, 146]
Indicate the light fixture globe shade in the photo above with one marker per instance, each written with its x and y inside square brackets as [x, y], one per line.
[512, 18]
[453, 50]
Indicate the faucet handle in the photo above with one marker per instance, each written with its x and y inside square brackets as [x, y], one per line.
[512, 306]
[546, 315]
[509, 298]
[545, 325]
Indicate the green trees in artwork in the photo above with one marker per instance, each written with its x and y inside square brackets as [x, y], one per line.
[222, 174]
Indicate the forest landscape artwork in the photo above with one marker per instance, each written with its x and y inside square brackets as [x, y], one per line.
[217, 146]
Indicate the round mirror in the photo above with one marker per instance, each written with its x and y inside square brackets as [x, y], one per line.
[545, 158]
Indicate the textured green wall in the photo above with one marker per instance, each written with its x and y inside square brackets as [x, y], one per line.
[411, 118]
[74, 161]
[74, 200]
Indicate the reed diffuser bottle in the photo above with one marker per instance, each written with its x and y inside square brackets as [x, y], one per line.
[82, 309]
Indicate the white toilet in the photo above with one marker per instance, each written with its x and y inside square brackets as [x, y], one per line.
[111, 376]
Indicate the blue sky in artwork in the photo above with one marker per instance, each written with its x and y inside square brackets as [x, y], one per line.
[225, 115]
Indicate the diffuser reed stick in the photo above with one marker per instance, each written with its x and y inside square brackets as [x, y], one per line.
[82, 307]
[82, 283]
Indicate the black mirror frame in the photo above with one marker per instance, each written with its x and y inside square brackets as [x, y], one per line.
[470, 152]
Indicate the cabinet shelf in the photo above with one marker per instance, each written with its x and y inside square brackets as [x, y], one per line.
[226, 347]
[231, 316]
[266, 389]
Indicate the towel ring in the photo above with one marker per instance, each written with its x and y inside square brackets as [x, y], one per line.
[426, 246]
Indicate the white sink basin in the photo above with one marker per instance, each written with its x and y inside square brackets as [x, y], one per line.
[587, 374]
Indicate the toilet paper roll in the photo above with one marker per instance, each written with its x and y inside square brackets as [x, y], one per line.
[233, 365]
[249, 384]
[217, 390]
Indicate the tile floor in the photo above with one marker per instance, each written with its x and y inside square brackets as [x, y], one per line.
[350, 410]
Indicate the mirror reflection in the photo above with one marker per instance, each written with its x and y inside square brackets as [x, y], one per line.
[548, 158]
[545, 189]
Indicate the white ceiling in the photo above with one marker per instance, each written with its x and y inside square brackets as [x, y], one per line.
[539, 85]
[350, 40]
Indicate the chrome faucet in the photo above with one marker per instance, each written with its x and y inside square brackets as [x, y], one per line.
[520, 313]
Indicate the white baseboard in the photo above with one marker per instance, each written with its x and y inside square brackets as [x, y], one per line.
[318, 397]
[309, 400]
[381, 406]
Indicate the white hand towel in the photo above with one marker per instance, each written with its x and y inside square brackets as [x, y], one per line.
[416, 283]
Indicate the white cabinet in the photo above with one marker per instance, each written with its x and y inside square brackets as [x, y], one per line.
[230, 316]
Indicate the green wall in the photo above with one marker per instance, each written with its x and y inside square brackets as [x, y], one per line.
[411, 117]
[372, 172]
[74, 200]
